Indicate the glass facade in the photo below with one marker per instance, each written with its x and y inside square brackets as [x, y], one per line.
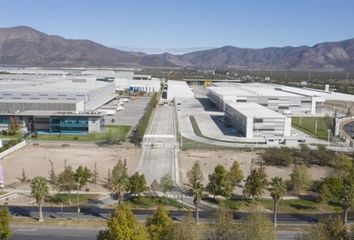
[4, 119]
[58, 124]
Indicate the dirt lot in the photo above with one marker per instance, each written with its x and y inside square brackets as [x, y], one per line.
[209, 159]
[35, 160]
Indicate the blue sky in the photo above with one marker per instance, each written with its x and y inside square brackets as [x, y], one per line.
[182, 25]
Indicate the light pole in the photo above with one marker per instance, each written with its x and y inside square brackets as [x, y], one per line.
[77, 199]
[329, 133]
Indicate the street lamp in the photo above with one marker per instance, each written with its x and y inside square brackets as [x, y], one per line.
[77, 199]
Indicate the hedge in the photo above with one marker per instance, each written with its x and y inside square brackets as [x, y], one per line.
[144, 121]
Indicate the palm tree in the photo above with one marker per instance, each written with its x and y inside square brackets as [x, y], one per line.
[39, 190]
[197, 191]
[277, 191]
[195, 177]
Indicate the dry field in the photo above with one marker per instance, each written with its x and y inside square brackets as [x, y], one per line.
[209, 159]
[35, 161]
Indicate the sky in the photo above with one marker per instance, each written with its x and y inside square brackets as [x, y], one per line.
[185, 25]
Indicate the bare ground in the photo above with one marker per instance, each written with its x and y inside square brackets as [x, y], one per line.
[35, 161]
[209, 159]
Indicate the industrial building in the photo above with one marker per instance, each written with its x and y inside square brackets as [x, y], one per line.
[274, 97]
[256, 121]
[54, 105]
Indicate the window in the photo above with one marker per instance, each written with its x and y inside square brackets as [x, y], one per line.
[258, 120]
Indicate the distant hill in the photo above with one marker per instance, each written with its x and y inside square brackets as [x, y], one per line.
[25, 46]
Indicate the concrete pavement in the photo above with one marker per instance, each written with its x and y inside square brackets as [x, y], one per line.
[159, 156]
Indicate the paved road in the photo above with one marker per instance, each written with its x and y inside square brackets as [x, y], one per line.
[99, 213]
[159, 154]
[55, 233]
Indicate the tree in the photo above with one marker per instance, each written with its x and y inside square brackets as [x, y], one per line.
[82, 176]
[66, 181]
[328, 229]
[346, 199]
[122, 225]
[119, 180]
[300, 178]
[343, 167]
[277, 191]
[195, 177]
[52, 176]
[39, 190]
[24, 177]
[137, 183]
[219, 182]
[166, 183]
[159, 224]
[12, 125]
[185, 230]
[5, 221]
[235, 174]
[325, 194]
[256, 183]
[256, 226]
[155, 186]
[95, 174]
[223, 226]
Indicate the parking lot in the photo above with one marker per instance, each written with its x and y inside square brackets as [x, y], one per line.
[134, 109]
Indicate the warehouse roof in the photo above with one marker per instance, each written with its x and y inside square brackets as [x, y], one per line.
[254, 110]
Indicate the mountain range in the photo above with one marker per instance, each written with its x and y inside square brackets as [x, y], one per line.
[25, 46]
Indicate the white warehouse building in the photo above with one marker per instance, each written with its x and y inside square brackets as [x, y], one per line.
[270, 96]
[256, 121]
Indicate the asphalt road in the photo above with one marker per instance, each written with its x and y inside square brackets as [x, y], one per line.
[94, 212]
[30, 233]
[158, 156]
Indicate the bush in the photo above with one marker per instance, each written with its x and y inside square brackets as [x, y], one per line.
[278, 157]
[144, 121]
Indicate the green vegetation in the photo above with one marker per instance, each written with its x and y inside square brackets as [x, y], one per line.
[9, 144]
[5, 135]
[285, 156]
[144, 121]
[5, 223]
[123, 225]
[111, 134]
[152, 202]
[286, 206]
[308, 125]
[66, 198]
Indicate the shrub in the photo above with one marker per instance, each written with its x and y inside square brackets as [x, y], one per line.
[278, 156]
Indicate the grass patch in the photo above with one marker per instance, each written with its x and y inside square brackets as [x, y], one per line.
[152, 203]
[64, 198]
[191, 144]
[308, 126]
[115, 131]
[285, 206]
[18, 135]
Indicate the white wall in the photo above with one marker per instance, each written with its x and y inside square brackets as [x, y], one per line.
[287, 127]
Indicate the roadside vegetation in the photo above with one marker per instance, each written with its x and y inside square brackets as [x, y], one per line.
[111, 135]
[308, 125]
[144, 121]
